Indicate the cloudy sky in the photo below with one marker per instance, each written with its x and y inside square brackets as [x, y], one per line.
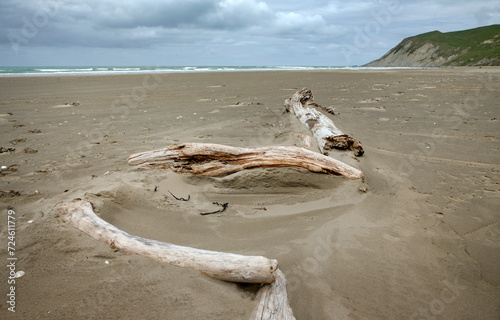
[222, 32]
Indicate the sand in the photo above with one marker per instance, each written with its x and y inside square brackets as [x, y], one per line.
[422, 242]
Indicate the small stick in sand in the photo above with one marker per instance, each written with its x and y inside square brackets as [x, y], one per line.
[224, 207]
[180, 199]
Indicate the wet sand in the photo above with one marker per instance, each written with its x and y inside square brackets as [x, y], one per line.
[423, 241]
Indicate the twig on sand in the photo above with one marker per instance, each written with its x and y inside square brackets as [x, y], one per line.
[224, 207]
[180, 199]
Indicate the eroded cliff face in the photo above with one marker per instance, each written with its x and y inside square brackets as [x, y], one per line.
[425, 56]
[435, 49]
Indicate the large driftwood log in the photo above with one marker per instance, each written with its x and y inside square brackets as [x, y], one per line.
[219, 265]
[217, 160]
[273, 301]
[272, 297]
[322, 127]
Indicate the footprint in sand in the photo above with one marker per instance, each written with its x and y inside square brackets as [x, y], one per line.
[16, 141]
[9, 170]
[5, 150]
[9, 194]
[30, 150]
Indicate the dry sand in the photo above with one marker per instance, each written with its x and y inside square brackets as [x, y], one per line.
[422, 242]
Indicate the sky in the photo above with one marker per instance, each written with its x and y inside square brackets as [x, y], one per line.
[222, 32]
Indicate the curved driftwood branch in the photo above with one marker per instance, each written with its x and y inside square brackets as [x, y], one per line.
[219, 265]
[217, 160]
[273, 301]
[272, 297]
[322, 127]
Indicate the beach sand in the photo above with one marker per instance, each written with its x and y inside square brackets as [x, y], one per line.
[423, 241]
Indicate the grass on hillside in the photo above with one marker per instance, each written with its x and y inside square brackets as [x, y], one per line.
[471, 46]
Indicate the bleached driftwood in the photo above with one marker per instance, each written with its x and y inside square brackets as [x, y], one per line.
[322, 127]
[330, 109]
[219, 265]
[273, 301]
[217, 160]
[272, 297]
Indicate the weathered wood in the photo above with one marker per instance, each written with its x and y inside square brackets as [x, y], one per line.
[219, 265]
[322, 127]
[272, 297]
[217, 160]
[273, 301]
[330, 109]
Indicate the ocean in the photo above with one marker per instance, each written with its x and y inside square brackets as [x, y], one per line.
[58, 71]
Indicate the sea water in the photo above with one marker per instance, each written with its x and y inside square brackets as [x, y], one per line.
[96, 70]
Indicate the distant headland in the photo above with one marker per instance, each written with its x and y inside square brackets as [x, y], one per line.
[473, 47]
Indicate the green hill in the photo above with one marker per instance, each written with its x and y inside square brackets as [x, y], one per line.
[474, 47]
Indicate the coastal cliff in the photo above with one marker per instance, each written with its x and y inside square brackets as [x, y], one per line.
[474, 47]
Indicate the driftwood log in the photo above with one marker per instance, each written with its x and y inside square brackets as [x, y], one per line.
[217, 160]
[322, 127]
[272, 297]
[219, 265]
[273, 301]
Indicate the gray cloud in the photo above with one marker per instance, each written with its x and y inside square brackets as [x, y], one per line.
[166, 14]
[248, 31]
